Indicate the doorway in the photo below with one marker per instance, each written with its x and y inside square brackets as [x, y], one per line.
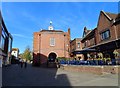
[52, 57]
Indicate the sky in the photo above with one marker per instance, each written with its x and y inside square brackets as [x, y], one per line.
[22, 19]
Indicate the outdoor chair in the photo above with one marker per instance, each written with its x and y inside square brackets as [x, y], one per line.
[117, 61]
[113, 61]
[100, 62]
[77, 62]
[81, 62]
[62, 62]
[95, 62]
[91, 62]
[68, 62]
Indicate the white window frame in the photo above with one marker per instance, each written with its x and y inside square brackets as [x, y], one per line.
[78, 44]
[52, 41]
[105, 35]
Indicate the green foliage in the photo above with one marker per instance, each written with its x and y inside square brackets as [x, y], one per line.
[116, 53]
[26, 55]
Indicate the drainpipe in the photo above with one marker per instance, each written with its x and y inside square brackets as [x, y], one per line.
[115, 34]
[39, 48]
[64, 46]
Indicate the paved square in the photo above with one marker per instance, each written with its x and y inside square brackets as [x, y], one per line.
[14, 75]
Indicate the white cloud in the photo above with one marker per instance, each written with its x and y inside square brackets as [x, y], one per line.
[22, 36]
[29, 16]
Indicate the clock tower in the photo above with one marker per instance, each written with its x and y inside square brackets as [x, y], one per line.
[50, 27]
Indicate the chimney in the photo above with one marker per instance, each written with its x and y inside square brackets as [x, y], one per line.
[85, 29]
[69, 31]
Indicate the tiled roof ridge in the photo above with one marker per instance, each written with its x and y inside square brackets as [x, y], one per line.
[110, 15]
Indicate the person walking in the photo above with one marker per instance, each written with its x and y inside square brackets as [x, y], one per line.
[25, 64]
[21, 63]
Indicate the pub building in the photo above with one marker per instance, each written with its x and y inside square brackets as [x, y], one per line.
[104, 39]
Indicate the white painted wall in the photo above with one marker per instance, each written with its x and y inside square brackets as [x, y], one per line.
[15, 53]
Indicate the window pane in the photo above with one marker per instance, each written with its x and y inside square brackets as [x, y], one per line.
[2, 42]
[78, 45]
[105, 35]
[9, 49]
[52, 41]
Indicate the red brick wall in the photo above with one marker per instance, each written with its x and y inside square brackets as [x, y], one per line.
[103, 24]
[118, 30]
[41, 44]
[92, 69]
[74, 46]
[35, 42]
[111, 69]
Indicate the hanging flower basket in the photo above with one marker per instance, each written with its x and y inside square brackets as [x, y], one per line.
[100, 55]
[88, 55]
[116, 53]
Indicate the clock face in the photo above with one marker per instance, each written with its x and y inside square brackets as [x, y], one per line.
[50, 28]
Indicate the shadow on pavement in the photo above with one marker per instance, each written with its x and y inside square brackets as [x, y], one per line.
[14, 75]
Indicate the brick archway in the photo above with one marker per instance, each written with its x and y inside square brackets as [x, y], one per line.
[52, 57]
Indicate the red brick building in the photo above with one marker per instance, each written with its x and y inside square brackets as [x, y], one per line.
[50, 44]
[76, 45]
[88, 42]
[105, 38]
[89, 38]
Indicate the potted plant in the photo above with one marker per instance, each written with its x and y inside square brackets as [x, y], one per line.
[116, 54]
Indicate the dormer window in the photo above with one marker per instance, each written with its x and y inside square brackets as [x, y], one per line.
[78, 45]
[105, 35]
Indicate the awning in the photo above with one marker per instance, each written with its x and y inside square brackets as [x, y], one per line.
[112, 45]
[87, 50]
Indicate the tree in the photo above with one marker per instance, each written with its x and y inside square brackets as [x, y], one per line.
[27, 54]
[21, 56]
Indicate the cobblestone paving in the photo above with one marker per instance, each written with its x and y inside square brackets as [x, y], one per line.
[14, 75]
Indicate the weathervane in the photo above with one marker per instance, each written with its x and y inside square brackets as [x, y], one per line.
[50, 22]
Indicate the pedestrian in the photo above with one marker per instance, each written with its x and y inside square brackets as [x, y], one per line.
[25, 64]
[21, 63]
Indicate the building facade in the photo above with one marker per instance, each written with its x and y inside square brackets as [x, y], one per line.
[89, 38]
[76, 45]
[5, 43]
[50, 44]
[107, 33]
[106, 37]
[15, 53]
[88, 41]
